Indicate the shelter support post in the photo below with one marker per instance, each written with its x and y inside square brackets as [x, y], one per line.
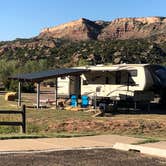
[38, 95]
[94, 98]
[19, 94]
[56, 92]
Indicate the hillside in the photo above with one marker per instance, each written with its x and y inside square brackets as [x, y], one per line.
[129, 40]
[79, 30]
[85, 42]
[121, 28]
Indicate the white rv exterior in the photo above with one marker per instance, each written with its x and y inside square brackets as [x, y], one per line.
[117, 82]
[63, 86]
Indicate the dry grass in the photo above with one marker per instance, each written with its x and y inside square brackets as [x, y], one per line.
[51, 122]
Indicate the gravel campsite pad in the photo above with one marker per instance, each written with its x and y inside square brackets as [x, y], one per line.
[88, 157]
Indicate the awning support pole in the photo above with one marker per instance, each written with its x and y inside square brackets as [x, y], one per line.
[19, 94]
[56, 92]
[38, 95]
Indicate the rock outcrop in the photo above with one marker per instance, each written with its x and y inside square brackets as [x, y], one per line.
[133, 28]
[100, 44]
[81, 29]
[121, 28]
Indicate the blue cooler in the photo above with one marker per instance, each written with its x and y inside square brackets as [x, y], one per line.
[73, 100]
[85, 101]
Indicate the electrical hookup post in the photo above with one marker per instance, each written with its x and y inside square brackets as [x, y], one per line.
[98, 89]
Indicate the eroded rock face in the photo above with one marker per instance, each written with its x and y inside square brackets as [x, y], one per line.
[133, 28]
[121, 28]
[81, 29]
[103, 49]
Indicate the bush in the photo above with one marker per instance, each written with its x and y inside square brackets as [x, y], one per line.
[9, 68]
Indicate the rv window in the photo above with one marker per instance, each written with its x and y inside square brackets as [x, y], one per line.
[118, 77]
[63, 78]
[85, 82]
[133, 73]
[161, 75]
[106, 80]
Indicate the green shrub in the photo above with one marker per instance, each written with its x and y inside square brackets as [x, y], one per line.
[9, 129]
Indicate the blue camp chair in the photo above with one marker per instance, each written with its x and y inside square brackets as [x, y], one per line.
[85, 101]
[73, 100]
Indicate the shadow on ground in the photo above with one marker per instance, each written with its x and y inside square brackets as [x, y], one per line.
[93, 157]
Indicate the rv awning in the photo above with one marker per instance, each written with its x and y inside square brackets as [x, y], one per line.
[43, 75]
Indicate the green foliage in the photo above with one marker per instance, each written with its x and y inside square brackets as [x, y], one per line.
[9, 129]
[147, 140]
[9, 68]
[132, 51]
[31, 55]
[33, 66]
[82, 62]
[32, 128]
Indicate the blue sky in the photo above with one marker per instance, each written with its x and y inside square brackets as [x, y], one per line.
[25, 18]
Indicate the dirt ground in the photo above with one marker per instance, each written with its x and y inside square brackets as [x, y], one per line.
[93, 157]
[111, 125]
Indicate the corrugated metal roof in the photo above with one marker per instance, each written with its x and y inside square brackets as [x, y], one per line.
[43, 75]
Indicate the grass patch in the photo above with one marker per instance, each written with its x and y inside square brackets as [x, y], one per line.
[146, 141]
[46, 123]
[50, 135]
[20, 136]
[69, 135]
[9, 129]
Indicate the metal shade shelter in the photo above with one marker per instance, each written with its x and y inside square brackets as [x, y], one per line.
[38, 77]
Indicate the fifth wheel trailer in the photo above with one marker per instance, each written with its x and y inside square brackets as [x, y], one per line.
[139, 82]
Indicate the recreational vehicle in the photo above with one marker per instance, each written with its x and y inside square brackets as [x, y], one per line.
[139, 82]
